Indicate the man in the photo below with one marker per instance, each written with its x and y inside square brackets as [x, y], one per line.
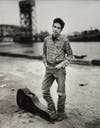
[57, 54]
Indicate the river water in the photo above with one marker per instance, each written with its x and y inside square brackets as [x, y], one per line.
[91, 49]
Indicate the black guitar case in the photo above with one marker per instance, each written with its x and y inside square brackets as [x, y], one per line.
[28, 101]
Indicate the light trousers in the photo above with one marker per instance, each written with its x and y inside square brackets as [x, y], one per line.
[54, 74]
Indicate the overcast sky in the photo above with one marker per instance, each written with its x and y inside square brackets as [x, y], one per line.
[77, 14]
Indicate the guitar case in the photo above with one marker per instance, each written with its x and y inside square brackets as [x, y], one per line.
[28, 101]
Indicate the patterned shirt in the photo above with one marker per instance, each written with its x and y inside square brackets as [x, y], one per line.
[56, 50]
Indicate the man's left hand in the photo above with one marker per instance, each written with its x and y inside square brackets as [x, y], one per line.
[62, 64]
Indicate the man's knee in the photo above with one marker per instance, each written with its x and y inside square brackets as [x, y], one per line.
[62, 95]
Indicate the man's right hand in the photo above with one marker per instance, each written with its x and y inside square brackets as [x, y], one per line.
[46, 65]
[49, 67]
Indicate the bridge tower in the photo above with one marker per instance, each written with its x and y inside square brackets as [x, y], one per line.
[27, 19]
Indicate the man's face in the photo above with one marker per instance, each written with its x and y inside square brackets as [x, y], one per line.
[56, 29]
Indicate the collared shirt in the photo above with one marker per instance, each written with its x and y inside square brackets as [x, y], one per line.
[56, 50]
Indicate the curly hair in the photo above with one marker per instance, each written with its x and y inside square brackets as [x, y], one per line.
[60, 21]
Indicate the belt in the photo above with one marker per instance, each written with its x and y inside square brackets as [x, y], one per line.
[53, 64]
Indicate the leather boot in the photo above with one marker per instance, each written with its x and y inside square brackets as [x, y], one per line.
[61, 108]
[50, 107]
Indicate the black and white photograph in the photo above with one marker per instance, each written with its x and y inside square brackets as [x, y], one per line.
[49, 64]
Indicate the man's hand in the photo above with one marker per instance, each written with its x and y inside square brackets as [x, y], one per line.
[49, 67]
[62, 64]
[45, 64]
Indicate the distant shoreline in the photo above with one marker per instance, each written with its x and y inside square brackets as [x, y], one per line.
[86, 36]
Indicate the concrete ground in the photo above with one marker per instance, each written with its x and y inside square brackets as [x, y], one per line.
[82, 90]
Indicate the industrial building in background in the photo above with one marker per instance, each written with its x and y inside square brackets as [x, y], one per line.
[27, 19]
[27, 29]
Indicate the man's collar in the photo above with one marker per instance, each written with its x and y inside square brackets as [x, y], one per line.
[57, 38]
